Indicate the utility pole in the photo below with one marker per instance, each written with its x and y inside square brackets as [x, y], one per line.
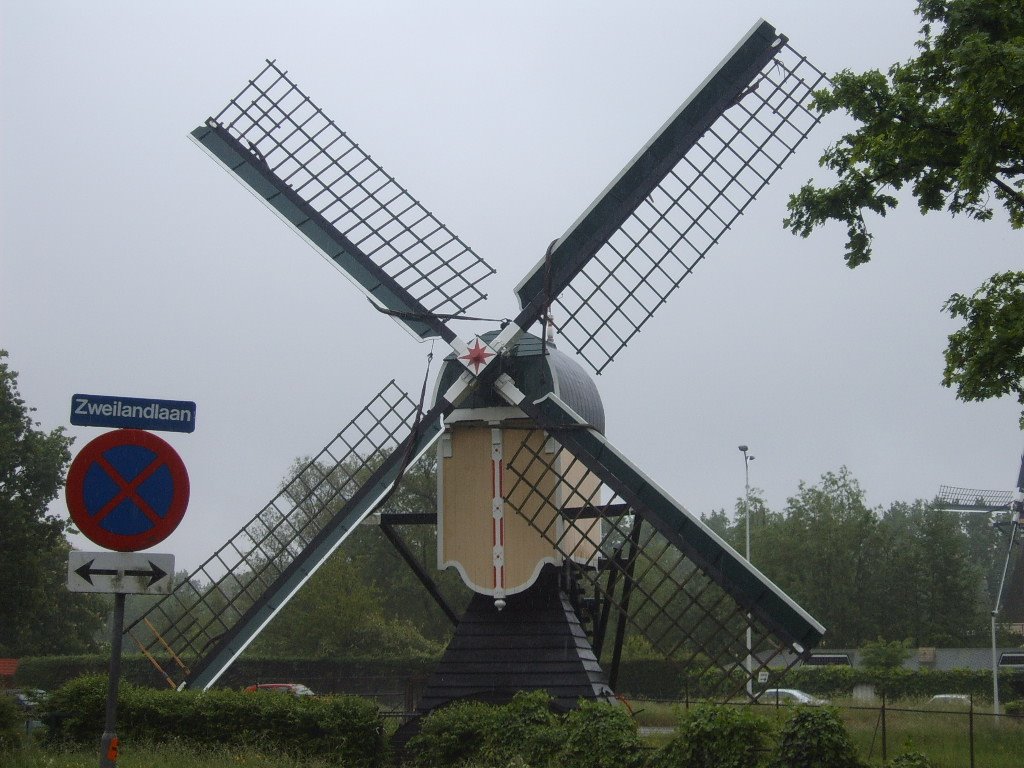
[747, 458]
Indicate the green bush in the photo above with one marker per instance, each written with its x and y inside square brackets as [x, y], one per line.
[910, 760]
[345, 727]
[1014, 708]
[600, 735]
[814, 737]
[526, 732]
[901, 683]
[525, 728]
[451, 735]
[12, 723]
[714, 736]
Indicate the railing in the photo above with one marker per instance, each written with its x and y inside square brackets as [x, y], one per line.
[949, 735]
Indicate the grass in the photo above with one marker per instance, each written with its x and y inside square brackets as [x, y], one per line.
[942, 735]
[909, 725]
[169, 755]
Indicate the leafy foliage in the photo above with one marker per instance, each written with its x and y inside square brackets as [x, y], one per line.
[39, 614]
[11, 722]
[910, 760]
[452, 735]
[950, 125]
[525, 728]
[814, 737]
[600, 735]
[345, 728]
[711, 736]
[985, 358]
[839, 559]
[525, 731]
[881, 655]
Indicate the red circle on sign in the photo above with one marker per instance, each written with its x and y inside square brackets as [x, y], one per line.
[127, 490]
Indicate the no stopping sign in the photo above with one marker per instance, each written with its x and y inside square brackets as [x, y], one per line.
[127, 490]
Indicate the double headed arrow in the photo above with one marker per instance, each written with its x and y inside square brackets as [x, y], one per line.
[151, 574]
[154, 572]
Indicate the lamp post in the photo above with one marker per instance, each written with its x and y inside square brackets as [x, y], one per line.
[747, 458]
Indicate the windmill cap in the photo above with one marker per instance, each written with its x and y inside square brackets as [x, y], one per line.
[536, 374]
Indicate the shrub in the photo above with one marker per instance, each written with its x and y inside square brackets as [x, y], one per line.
[451, 735]
[881, 655]
[345, 727]
[910, 760]
[815, 738]
[714, 736]
[526, 732]
[525, 728]
[600, 735]
[12, 722]
[1015, 708]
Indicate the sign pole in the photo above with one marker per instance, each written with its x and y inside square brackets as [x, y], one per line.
[109, 743]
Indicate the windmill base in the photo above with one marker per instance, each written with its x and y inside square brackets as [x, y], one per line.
[535, 643]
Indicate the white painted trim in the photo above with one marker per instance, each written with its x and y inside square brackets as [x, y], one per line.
[485, 415]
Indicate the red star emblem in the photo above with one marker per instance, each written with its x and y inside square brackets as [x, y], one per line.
[476, 356]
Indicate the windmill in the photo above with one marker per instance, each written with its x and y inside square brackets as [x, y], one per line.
[956, 499]
[565, 543]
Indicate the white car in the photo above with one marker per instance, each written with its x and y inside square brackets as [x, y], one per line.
[788, 696]
[958, 700]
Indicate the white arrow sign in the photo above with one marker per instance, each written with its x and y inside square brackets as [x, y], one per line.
[124, 572]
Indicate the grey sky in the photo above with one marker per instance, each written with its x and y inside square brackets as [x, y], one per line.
[132, 265]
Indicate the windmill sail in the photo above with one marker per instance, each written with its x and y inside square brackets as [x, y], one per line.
[686, 532]
[675, 200]
[282, 146]
[210, 618]
[660, 568]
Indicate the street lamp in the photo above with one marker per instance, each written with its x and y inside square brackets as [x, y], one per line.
[747, 458]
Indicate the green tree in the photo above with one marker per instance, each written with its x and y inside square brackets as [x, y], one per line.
[949, 124]
[885, 655]
[365, 601]
[985, 358]
[826, 554]
[911, 571]
[39, 615]
[940, 597]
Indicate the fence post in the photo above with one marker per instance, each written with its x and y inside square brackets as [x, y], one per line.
[884, 754]
[970, 729]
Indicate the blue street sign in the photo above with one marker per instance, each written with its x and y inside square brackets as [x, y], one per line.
[133, 413]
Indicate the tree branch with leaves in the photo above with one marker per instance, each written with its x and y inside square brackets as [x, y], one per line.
[949, 126]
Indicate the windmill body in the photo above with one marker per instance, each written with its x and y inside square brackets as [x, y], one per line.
[497, 551]
[566, 542]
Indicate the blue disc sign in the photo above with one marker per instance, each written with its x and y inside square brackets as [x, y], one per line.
[127, 490]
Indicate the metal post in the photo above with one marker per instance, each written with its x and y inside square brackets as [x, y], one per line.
[884, 735]
[109, 742]
[970, 727]
[746, 509]
[995, 613]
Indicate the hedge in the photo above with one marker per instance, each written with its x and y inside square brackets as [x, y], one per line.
[644, 678]
[905, 683]
[346, 728]
[322, 675]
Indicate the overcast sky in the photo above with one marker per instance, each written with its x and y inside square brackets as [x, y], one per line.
[132, 265]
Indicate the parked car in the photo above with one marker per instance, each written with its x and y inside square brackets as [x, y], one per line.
[27, 698]
[950, 700]
[788, 696]
[292, 689]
